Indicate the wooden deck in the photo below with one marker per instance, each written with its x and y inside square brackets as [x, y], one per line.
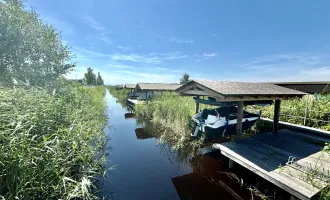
[267, 155]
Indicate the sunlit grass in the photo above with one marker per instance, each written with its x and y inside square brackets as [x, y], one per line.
[51, 143]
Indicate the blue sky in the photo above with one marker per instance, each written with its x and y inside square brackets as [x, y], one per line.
[131, 41]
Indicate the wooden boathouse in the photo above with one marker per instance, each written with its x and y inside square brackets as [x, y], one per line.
[131, 87]
[146, 90]
[291, 159]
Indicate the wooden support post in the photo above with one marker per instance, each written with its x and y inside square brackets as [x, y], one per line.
[277, 108]
[239, 119]
[306, 111]
[197, 106]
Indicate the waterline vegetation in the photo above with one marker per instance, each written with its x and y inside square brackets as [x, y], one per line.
[52, 143]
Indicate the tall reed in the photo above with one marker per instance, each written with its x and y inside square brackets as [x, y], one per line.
[51, 143]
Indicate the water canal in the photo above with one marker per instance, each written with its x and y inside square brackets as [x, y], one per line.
[147, 168]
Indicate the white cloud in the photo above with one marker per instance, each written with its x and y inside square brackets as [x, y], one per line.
[286, 67]
[204, 56]
[90, 21]
[181, 41]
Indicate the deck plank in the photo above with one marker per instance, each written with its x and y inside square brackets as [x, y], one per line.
[263, 153]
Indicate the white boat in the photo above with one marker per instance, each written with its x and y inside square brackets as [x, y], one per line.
[221, 121]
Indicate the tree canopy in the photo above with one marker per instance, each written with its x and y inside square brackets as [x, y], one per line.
[99, 80]
[91, 79]
[30, 50]
[185, 78]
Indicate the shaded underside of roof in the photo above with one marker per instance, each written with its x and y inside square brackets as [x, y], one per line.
[308, 88]
[158, 86]
[236, 89]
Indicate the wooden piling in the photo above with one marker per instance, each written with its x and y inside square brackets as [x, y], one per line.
[239, 119]
[197, 106]
[277, 108]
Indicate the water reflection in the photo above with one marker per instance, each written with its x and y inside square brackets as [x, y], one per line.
[154, 162]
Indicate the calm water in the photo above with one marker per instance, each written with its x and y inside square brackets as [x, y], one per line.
[148, 169]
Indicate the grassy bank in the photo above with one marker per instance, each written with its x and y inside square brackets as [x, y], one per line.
[51, 143]
[119, 94]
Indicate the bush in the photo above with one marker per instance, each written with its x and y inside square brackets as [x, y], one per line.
[51, 144]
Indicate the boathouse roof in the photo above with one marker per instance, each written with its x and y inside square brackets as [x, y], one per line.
[308, 87]
[158, 86]
[130, 86]
[237, 91]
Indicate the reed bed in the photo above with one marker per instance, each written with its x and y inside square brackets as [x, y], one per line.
[51, 143]
[119, 94]
[294, 111]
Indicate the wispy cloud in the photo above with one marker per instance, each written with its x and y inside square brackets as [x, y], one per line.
[157, 36]
[214, 34]
[154, 58]
[160, 68]
[124, 48]
[205, 56]
[177, 71]
[89, 20]
[105, 39]
[64, 27]
[148, 77]
[287, 67]
[181, 41]
[120, 66]
[135, 58]
[88, 53]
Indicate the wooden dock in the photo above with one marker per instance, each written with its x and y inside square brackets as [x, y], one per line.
[294, 161]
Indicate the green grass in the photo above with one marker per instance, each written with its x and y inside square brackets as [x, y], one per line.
[51, 143]
[119, 94]
[318, 106]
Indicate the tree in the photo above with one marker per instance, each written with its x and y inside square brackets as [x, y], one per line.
[185, 78]
[99, 80]
[30, 50]
[90, 77]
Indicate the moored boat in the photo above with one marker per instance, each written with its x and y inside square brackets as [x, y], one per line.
[221, 121]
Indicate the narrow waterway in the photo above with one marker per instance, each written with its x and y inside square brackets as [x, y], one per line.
[146, 168]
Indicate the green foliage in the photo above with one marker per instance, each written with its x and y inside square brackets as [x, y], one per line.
[51, 143]
[90, 77]
[119, 94]
[99, 80]
[30, 50]
[185, 78]
[293, 111]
